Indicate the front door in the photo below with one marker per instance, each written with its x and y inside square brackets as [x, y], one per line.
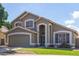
[42, 35]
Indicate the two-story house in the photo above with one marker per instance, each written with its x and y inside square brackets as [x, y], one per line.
[30, 30]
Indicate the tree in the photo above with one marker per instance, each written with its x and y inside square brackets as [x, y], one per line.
[3, 18]
[3, 15]
[8, 25]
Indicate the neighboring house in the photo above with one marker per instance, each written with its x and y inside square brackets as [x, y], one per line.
[30, 30]
[2, 38]
[3, 31]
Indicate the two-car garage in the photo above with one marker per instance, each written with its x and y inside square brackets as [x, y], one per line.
[19, 39]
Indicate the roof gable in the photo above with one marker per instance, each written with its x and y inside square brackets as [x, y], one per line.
[21, 28]
[23, 15]
[39, 18]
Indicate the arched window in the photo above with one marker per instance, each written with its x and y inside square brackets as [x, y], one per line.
[62, 37]
[18, 24]
[29, 23]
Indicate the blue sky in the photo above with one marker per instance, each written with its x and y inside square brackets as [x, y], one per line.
[67, 14]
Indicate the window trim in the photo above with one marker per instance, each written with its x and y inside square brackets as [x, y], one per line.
[46, 44]
[29, 20]
[16, 23]
[50, 33]
[70, 40]
[64, 37]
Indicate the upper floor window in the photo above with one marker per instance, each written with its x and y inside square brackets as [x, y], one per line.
[18, 23]
[29, 23]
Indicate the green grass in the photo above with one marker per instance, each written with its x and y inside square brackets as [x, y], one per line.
[49, 51]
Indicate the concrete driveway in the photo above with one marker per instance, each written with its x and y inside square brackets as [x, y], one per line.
[13, 51]
[4, 50]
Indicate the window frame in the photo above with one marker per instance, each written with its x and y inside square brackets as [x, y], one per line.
[70, 37]
[65, 37]
[27, 21]
[17, 22]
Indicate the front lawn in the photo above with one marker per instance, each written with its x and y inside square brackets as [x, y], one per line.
[49, 51]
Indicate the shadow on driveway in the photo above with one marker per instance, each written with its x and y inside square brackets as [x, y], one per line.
[6, 51]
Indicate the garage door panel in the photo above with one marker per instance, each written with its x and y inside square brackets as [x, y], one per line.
[19, 40]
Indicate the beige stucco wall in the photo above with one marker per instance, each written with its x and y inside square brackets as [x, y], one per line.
[18, 30]
[34, 38]
[60, 28]
[55, 28]
[77, 40]
[29, 16]
[2, 35]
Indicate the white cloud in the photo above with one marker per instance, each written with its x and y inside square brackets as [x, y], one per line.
[69, 22]
[73, 27]
[75, 15]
